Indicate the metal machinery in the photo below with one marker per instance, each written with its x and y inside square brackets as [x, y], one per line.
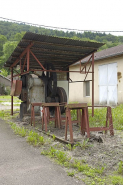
[41, 87]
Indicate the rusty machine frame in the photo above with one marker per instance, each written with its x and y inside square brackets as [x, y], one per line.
[28, 51]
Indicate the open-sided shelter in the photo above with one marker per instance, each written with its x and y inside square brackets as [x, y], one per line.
[49, 54]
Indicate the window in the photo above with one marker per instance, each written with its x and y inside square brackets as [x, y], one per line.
[87, 88]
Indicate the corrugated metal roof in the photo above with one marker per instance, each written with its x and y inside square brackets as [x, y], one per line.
[106, 53]
[62, 52]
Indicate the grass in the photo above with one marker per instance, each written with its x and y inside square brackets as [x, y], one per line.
[19, 130]
[120, 167]
[99, 118]
[116, 180]
[71, 174]
[35, 139]
[85, 144]
[7, 98]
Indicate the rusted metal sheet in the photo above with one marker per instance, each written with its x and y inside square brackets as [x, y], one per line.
[16, 88]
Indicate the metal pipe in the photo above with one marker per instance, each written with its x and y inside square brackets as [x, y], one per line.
[37, 60]
[24, 63]
[92, 84]
[11, 87]
[28, 59]
[80, 81]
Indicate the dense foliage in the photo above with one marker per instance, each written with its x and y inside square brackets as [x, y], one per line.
[11, 34]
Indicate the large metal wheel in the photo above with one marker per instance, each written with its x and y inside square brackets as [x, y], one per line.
[23, 79]
[50, 80]
[62, 97]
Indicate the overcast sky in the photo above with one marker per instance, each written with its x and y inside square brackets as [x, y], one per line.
[100, 15]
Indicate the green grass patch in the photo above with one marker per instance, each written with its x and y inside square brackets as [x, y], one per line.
[32, 137]
[18, 130]
[116, 180]
[71, 174]
[85, 144]
[99, 118]
[120, 167]
[35, 139]
[7, 98]
[5, 114]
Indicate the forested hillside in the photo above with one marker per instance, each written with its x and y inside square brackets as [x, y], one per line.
[11, 34]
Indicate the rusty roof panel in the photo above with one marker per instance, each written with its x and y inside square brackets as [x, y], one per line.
[62, 52]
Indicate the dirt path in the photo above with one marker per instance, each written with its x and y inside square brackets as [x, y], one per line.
[7, 107]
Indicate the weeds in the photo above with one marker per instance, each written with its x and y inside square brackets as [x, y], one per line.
[32, 137]
[70, 147]
[79, 165]
[116, 180]
[18, 130]
[71, 173]
[120, 167]
[84, 145]
[54, 137]
[35, 139]
[60, 156]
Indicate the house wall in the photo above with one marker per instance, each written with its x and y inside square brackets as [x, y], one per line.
[76, 90]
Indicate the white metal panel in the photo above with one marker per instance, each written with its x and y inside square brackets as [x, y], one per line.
[112, 74]
[108, 84]
[103, 72]
[103, 94]
[112, 95]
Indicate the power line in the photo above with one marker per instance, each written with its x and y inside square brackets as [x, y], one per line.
[52, 27]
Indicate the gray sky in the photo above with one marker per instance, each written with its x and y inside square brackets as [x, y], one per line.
[100, 15]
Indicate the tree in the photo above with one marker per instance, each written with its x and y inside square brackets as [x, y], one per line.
[4, 72]
[3, 39]
[8, 48]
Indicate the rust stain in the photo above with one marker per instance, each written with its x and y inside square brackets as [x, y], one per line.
[119, 75]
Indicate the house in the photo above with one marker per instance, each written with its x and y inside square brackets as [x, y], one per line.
[108, 81]
[5, 85]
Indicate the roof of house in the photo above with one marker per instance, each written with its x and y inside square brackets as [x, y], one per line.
[61, 52]
[106, 53]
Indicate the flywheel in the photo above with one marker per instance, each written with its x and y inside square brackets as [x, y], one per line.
[50, 80]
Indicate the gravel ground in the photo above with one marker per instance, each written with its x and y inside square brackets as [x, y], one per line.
[102, 149]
